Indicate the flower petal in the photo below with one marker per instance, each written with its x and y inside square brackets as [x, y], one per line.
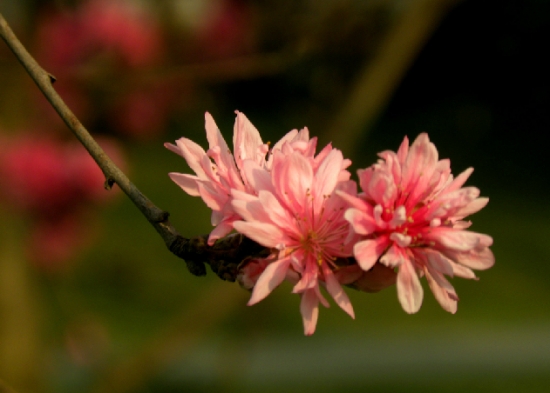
[194, 155]
[471, 208]
[222, 229]
[361, 223]
[326, 177]
[309, 307]
[267, 235]
[276, 212]
[367, 252]
[188, 183]
[257, 177]
[212, 197]
[443, 291]
[453, 239]
[292, 176]
[310, 275]
[475, 259]
[336, 291]
[271, 277]
[394, 257]
[247, 141]
[409, 290]
[459, 180]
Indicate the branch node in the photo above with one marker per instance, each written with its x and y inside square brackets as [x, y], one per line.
[53, 79]
[161, 217]
[109, 183]
[196, 268]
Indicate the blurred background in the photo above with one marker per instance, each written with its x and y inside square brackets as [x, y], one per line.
[90, 299]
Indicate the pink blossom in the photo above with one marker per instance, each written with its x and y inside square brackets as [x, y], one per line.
[294, 211]
[123, 27]
[410, 216]
[53, 183]
[213, 181]
[227, 29]
[218, 172]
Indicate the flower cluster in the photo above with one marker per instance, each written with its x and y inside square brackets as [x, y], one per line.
[406, 222]
[53, 184]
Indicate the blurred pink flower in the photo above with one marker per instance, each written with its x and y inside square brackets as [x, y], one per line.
[296, 212]
[118, 28]
[410, 216]
[97, 41]
[53, 184]
[142, 113]
[54, 241]
[227, 30]
[124, 28]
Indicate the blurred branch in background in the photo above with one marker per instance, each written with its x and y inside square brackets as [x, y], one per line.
[20, 344]
[381, 75]
[215, 71]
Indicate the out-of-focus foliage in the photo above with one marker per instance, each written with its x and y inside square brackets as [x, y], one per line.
[90, 299]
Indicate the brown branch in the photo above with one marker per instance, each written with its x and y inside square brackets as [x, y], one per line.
[224, 257]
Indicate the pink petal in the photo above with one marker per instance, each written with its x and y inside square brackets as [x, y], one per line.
[309, 307]
[257, 177]
[271, 277]
[473, 207]
[462, 271]
[453, 239]
[213, 199]
[222, 229]
[218, 145]
[444, 294]
[275, 211]
[475, 259]
[292, 176]
[251, 211]
[409, 290]
[336, 291]
[188, 183]
[287, 138]
[193, 154]
[361, 223]
[246, 140]
[215, 138]
[403, 150]
[459, 181]
[172, 148]
[422, 155]
[267, 235]
[438, 262]
[382, 188]
[394, 257]
[310, 274]
[367, 252]
[353, 200]
[326, 177]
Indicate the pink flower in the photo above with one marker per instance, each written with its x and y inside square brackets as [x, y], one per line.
[294, 210]
[410, 216]
[123, 27]
[214, 181]
[54, 184]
